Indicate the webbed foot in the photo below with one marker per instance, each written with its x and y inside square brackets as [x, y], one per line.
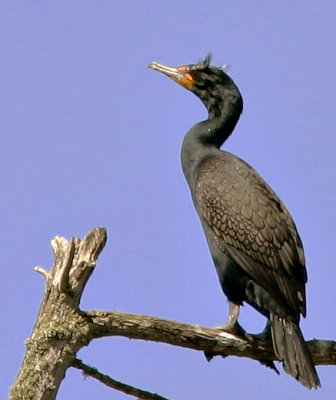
[235, 329]
[232, 326]
[264, 336]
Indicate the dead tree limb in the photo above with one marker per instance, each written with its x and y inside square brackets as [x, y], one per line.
[62, 329]
[112, 383]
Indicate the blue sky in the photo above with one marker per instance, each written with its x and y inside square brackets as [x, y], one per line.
[91, 137]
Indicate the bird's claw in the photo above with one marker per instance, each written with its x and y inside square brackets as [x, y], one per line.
[236, 329]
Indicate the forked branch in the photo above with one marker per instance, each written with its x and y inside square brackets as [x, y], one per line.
[61, 328]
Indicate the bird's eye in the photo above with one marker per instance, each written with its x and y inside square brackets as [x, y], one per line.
[187, 69]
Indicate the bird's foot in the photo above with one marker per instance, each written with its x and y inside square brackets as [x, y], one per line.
[264, 336]
[231, 327]
[234, 328]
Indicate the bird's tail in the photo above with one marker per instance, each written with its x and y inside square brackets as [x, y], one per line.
[290, 348]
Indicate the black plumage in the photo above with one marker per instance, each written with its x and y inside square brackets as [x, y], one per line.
[252, 238]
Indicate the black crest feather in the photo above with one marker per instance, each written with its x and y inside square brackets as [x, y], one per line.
[204, 64]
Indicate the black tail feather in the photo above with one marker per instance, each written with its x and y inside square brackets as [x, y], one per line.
[290, 348]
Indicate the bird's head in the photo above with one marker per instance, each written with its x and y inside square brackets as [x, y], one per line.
[211, 84]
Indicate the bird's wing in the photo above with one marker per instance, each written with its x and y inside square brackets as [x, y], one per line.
[252, 226]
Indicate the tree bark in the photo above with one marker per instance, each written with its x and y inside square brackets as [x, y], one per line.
[61, 328]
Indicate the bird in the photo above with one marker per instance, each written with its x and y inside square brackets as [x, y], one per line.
[252, 238]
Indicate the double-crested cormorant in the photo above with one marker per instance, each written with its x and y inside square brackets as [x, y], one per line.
[252, 238]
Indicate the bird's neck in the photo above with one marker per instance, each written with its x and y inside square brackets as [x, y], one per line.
[205, 138]
[222, 121]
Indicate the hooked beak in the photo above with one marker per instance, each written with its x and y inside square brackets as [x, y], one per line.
[178, 74]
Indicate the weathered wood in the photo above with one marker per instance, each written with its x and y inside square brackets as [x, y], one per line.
[112, 383]
[213, 341]
[61, 328]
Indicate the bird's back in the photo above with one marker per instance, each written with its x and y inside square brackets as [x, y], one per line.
[248, 222]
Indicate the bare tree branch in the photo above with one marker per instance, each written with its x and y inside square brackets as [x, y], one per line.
[213, 341]
[122, 387]
[42, 271]
[61, 328]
